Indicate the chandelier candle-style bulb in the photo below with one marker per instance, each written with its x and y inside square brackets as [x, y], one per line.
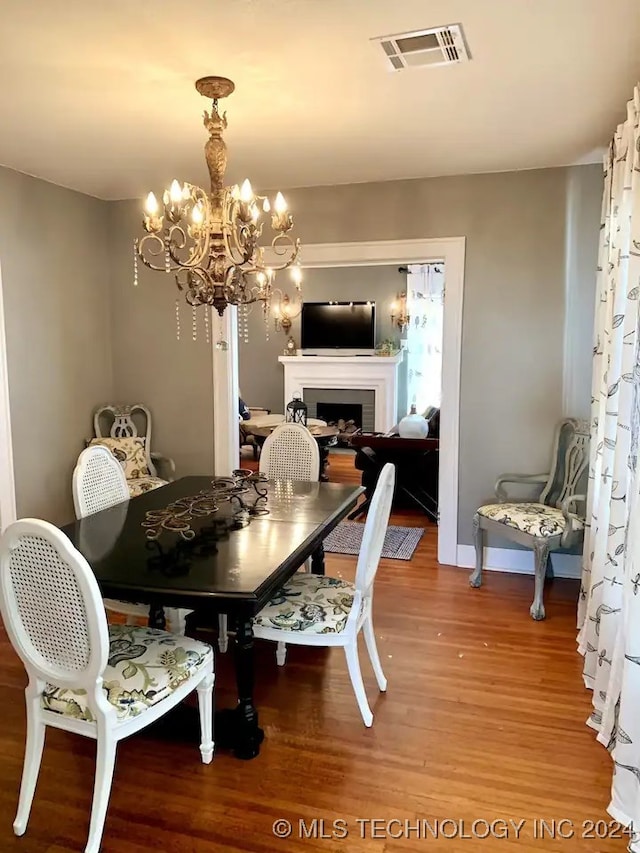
[281, 219]
[152, 220]
[296, 275]
[211, 238]
[246, 191]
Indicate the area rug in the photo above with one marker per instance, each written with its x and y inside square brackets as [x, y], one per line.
[399, 543]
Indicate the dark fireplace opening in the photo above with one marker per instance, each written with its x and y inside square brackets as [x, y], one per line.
[346, 416]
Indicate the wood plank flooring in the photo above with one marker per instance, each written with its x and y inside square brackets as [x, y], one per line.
[483, 721]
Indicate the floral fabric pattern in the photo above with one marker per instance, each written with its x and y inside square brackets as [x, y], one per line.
[609, 604]
[144, 667]
[140, 485]
[314, 604]
[130, 453]
[536, 519]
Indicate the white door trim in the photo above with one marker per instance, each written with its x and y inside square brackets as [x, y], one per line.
[226, 433]
[450, 250]
[7, 478]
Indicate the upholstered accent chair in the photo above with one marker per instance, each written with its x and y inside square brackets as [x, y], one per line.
[126, 431]
[85, 677]
[549, 523]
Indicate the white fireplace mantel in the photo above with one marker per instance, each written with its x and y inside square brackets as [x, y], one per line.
[376, 373]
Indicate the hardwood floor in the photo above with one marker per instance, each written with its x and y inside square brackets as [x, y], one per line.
[483, 721]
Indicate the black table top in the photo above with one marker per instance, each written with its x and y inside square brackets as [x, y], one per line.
[233, 562]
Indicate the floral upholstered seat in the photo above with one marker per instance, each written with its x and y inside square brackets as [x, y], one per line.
[144, 667]
[144, 484]
[130, 453]
[533, 518]
[313, 604]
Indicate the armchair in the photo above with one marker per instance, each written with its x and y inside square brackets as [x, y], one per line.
[551, 522]
[126, 431]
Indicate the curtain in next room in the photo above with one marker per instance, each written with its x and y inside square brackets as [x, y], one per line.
[425, 306]
[609, 609]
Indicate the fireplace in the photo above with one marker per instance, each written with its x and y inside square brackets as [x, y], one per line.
[334, 412]
[339, 404]
[343, 379]
[346, 416]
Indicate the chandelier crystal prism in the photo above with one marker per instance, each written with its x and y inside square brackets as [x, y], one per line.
[210, 240]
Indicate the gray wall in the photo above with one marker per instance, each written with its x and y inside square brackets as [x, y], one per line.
[173, 377]
[261, 375]
[531, 242]
[516, 279]
[53, 251]
[584, 202]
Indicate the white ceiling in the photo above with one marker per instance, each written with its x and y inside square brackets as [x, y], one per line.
[99, 96]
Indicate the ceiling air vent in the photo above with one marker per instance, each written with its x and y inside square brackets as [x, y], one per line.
[436, 46]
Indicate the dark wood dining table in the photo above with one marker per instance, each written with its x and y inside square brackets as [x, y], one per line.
[183, 545]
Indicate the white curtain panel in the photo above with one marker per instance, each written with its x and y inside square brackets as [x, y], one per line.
[425, 305]
[609, 607]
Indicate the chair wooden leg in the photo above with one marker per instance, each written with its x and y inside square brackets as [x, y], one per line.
[374, 657]
[353, 664]
[541, 554]
[223, 636]
[32, 760]
[281, 653]
[105, 764]
[205, 705]
[475, 579]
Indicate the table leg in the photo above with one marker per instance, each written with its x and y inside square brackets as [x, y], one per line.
[156, 617]
[317, 560]
[238, 728]
[324, 463]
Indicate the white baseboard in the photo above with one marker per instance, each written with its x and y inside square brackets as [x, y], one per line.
[518, 562]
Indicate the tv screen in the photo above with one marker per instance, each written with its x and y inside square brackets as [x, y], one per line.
[338, 325]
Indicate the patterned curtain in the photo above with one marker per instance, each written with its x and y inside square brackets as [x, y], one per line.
[609, 608]
[425, 305]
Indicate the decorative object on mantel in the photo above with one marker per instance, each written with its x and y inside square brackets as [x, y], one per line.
[210, 240]
[296, 411]
[399, 313]
[387, 347]
[413, 425]
[290, 348]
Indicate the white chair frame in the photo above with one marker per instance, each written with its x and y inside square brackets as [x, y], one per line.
[124, 426]
[99, 483]
[89, 632]
[360, 617]
[290, 453]
[295, 437]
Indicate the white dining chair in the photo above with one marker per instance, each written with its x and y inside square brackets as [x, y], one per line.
[318, 610]
[85, 676]
[289, 453]
[99, 483]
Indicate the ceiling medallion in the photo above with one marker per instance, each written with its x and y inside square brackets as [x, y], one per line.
[210, 240]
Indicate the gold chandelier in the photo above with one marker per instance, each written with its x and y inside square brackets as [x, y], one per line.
[210, 240]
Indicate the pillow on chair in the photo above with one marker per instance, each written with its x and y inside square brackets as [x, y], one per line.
[130, 454]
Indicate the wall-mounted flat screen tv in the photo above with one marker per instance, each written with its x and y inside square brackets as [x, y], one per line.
[338, 325]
